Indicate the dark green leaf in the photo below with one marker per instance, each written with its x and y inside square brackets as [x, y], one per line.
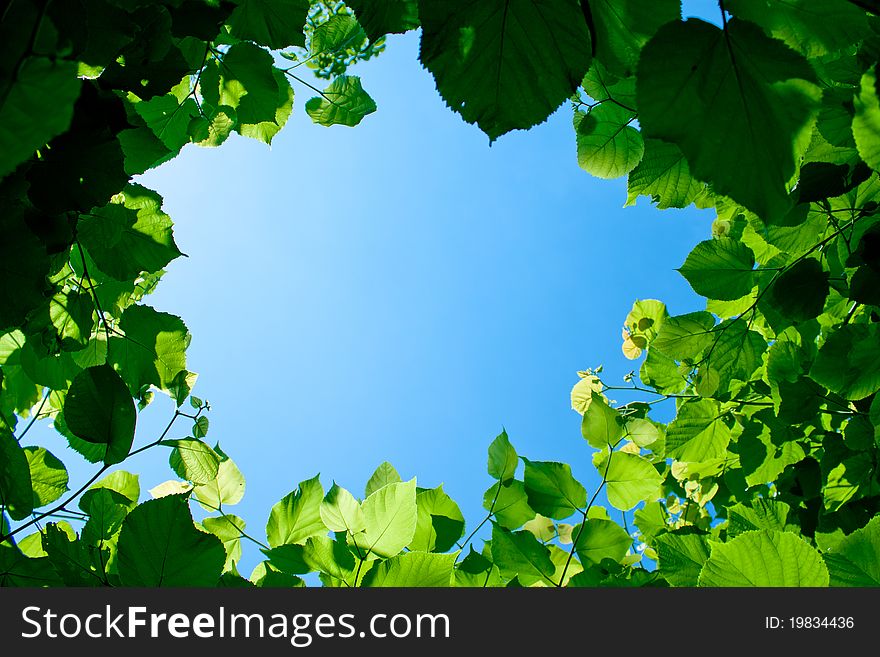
[274, 23]
[504, 64]
[16, 493]
[734, 101]
[854, 561]
[764, 558]
[552, 490]
[160, 546]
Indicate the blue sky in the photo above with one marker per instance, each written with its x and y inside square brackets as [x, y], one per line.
[400, 291]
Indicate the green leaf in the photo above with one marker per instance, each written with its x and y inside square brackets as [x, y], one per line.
[385, 474]
[848, 362]
[607, 145]
[24, 266]
[247, 82]
[601, 425]
[391, 515]
[629, 479]
[764, 558]
[37, 105]
[766, 447]
[520, 555]
[227, 489]
[273, 23]
[168, 117]
[720, 269]
[601, 539]
[510, 504]
[552, 490]
[106, 513]
[642, 432]
[298, 515]
[663, 175]
[265, 576]
[99, 409]
[734, 101]
[153, 351]
[661, 373]
[440, 522]
[142, 149]
[812, 28]
[333, 558]
[214, 128]
[685, 337]
[341, 512]
[735, 355]
[761, 513]
[48, 475]
[624, 26]
[381, 17]
[698, 432]
[338, 33]
[866, 124]
[16, 493]
[160, 546]
[344, 102]
[193, 460]
[412, 569]
[855, 562]
[18, 570]
[229, 530]
[800, 291]
[484, 54]
[70, 557]
[123, 487]
[680, 557]
[129, 235]
[503, 459]
[71, 315]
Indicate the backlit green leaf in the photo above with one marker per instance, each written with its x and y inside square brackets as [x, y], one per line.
[733, 100]
[99, 409]
[297, 516]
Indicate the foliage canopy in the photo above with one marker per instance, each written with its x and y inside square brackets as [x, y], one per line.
[766, 476]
